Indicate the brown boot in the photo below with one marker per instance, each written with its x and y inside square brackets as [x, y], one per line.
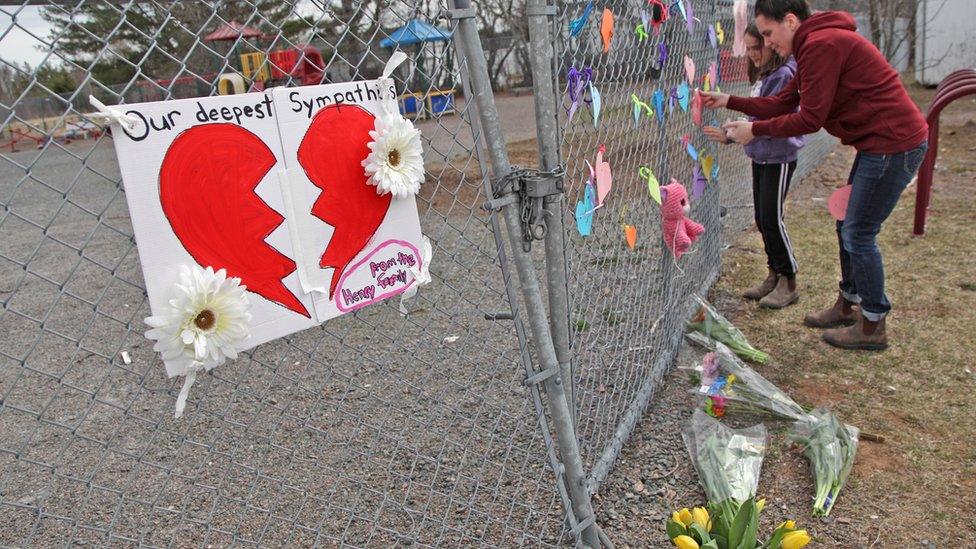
[865, 335]
[841, 313]
[763, 288]
[783, 295]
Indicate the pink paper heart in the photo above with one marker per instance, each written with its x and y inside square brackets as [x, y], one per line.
[690, 70]
[604, 177]
[696, 108]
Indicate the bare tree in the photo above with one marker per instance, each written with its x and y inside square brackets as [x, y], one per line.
[505, 34]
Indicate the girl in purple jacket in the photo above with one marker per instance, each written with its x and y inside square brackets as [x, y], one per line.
[773, 164]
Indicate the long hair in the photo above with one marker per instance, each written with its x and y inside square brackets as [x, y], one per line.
[775, 62]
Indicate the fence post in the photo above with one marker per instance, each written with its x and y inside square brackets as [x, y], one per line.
[541, 54]
[535, 308]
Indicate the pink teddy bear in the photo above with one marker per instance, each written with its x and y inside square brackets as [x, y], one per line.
[679, 231]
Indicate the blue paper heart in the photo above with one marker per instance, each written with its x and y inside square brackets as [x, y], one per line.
[684, 94]
[584, 211]
[597, 101]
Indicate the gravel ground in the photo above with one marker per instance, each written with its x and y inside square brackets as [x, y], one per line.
[370, 430]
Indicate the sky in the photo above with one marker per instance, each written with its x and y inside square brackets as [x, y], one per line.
[16, 45]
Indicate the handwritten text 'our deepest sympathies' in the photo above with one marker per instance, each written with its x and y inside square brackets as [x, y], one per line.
[253, 106]
[387, 273]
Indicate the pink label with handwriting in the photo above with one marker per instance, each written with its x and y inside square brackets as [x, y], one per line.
[383, 273]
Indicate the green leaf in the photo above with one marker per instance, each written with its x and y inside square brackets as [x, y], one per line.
[674, 529]
[710, 545]
[777, 539]
[721, 519]
[744, 518]
[701, 533]
[722, 541]
[748, 539]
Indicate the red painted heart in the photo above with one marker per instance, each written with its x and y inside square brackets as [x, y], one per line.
[206, 188]
[331, 154]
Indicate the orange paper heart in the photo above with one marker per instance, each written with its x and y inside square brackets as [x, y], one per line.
[630, 232]
[606, 29]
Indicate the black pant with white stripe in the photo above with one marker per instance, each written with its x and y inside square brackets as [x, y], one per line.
[770, 183]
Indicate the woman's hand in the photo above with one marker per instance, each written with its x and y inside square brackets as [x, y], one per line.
[715, 134]
[714, 100]
[739, 131]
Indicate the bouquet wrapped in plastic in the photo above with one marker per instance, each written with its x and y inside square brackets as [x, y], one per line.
[727, 460]
[730, 386]
[830, 446]
[709, 327]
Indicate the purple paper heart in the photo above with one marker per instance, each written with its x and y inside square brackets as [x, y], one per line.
[698, 184]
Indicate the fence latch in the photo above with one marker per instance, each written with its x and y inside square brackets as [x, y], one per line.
[529, 188]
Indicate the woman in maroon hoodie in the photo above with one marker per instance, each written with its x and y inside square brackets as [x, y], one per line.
[845, 85]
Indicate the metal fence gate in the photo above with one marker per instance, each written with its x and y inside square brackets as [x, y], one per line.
[373, 429]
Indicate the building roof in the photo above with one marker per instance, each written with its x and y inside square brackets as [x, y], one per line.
[415, 32]
[231, 31]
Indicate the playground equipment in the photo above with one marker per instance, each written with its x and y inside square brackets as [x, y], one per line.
[438, 102]
[958, 84]
[18, 135]
[231, 83]
[303, 65]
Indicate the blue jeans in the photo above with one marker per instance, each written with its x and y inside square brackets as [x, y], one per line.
[878, 181]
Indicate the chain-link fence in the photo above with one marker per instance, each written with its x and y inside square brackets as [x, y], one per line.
[372, 429]
[629, 306]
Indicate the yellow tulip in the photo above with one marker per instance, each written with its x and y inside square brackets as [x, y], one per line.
[787, 524]
[760, 504]
[700, 516]
[683, 516]
[686, 542]
[795, 539]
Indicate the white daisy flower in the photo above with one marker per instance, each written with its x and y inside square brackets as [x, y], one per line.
[396, 161]
[204, 324]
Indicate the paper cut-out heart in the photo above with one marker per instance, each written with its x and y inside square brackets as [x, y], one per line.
[696, 108]
[604, 177]
[740, 15]
[584, 211]
[684, 94]
[630, 232]
[837, 203]
[606, 29]
[681, 8]
[331, 154]
[206, 189]
[653, 186]
[597, 101]
[707, 163]
[698, 184]
[690, 70]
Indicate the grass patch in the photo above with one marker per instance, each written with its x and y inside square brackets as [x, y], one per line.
[916, 394]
